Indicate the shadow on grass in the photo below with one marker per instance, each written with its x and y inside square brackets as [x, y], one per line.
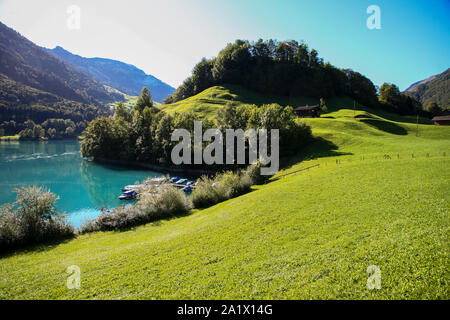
[396, 117]
[51, 244]
[34, 248]
[318, 148]
[385, 126]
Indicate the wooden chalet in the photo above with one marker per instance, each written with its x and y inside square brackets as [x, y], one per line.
[442, 119]
[308, 111]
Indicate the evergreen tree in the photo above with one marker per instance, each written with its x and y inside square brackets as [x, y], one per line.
[121, 111]
[144, 100]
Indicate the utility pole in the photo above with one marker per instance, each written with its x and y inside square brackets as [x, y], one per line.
[417, 129]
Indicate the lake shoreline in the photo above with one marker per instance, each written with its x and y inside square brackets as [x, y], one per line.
[82, 186]
[18, 139]
[156, 168]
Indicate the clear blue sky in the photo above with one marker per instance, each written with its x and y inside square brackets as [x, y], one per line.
[166, 38]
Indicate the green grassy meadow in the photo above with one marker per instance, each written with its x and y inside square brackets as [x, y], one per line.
[380, 196]
[207, 103]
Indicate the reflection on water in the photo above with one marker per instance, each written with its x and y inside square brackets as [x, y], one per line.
[83, 187]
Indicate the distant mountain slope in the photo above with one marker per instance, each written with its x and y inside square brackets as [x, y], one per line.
[20, 102]
[416, 84]
[121, 76]
[432, 89]
[26, 63]
[42, 96]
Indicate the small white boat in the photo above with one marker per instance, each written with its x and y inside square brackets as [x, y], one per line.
[134, 187]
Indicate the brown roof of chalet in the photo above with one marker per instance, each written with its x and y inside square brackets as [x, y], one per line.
[440, 118]
[306, 108]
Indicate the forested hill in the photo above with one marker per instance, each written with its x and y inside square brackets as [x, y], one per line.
[124, 77]
[434, 89]
[277, 68]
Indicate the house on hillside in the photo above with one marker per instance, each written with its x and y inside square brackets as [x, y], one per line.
[443, 119]
[308, 111]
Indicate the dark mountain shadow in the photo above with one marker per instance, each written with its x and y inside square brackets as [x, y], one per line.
[385, 126]
[318, 148]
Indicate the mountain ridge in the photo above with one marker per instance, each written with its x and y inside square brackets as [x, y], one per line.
[432, 89]
[36, 86]
[416, 84]
[29, 64]
[125, 77]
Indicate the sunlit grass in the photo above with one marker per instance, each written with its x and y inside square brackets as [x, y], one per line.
[311, 235]
[308, 235]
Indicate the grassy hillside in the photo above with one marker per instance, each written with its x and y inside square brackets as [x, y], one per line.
[206, 103]
[362, 133]
[308, 235]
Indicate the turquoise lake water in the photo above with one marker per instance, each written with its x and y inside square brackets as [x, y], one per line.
[83, 186]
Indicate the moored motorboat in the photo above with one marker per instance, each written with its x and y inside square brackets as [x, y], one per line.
[153, 185]
[187, 189]
[182, 181]
[128, 195]
[134, 187]
[159, 180]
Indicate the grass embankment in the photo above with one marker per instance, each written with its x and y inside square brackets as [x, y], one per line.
[308, 235]
[10, 138]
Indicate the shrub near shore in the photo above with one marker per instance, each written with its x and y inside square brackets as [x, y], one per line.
[151, 206]
[165, 201]
[32, 219]
[224, 186]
